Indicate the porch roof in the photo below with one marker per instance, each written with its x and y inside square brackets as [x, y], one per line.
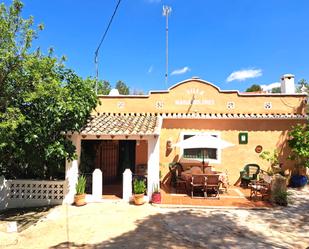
[122, 124]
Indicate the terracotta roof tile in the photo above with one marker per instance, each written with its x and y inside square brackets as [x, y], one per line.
[122, 124]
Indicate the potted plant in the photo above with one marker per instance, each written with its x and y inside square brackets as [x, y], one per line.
[299, 144]
[156, 195]
[80, 196]
[139, 188]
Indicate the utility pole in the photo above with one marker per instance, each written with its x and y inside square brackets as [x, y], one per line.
[166, 12]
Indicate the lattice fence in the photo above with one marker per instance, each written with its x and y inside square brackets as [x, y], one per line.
[26, 193]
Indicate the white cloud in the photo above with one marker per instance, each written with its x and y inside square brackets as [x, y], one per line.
[180, 71]
[150, 69]
[242, 75]
[270, 86]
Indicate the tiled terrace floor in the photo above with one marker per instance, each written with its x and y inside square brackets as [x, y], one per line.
[234, 197]
[112, 191]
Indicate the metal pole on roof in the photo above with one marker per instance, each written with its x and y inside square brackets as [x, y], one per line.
[166, 11]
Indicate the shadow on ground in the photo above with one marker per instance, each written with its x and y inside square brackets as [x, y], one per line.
[25, 217]
[184, 229]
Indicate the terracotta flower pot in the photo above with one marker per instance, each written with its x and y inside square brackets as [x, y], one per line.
[138, 199]
[80, 200]
[156, 198]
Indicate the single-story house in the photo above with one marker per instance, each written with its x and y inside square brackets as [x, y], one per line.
[138, 131]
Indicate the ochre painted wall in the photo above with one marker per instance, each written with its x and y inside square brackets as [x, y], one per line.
[270, 134]
[197, 96]
[205, 97]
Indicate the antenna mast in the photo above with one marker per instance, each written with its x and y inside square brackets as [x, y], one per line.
[166, 12]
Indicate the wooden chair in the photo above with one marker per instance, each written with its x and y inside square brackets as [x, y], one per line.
[195, 170]
[208, 170]
[198, 182]
[213, 185]
[261, 187]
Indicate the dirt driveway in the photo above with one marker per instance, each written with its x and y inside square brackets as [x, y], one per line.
[120, 225]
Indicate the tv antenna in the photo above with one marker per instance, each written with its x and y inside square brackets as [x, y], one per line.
[166, 12]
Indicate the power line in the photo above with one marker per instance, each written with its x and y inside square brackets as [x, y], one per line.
[96, 53]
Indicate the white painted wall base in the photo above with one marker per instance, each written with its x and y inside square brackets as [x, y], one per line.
[153, 164]
[97, 184]
[71, 170]
[127, 185]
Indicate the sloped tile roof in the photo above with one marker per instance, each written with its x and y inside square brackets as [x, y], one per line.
[235, 115]
[149, 124]
[122, 124]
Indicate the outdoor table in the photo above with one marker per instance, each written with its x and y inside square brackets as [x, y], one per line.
[187, 176]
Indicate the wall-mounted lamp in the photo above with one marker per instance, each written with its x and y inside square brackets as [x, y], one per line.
[168, 144]
[169, 147]
[138, 142]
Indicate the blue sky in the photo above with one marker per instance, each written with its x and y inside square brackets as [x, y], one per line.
[210, 39]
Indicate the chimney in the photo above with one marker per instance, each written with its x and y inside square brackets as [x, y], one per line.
[114, 92]
[287, 83]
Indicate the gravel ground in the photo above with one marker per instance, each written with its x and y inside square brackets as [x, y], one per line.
[120, 225]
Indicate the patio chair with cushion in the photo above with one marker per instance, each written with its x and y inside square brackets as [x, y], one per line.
[249, 173]
[198, 183]
[261, 187]
[213, 185]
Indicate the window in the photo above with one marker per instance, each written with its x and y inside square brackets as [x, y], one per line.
[210, 154]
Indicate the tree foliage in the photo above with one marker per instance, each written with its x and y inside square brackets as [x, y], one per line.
[104, 87]
[122, 87]
[40, 99]
[254, 88]
[299, 143]
[302, 85]
[276, 90]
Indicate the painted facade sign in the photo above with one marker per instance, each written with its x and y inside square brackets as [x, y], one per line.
[194, 102]
[206, 98]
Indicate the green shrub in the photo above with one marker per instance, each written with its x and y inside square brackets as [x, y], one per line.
[281, 197]
[139, 186]
[271, 157]
[81, 185]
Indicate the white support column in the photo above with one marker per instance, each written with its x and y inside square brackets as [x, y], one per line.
[71, 170]
[3, 193]
[97, 184]
[153, 164]
[127, 185]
